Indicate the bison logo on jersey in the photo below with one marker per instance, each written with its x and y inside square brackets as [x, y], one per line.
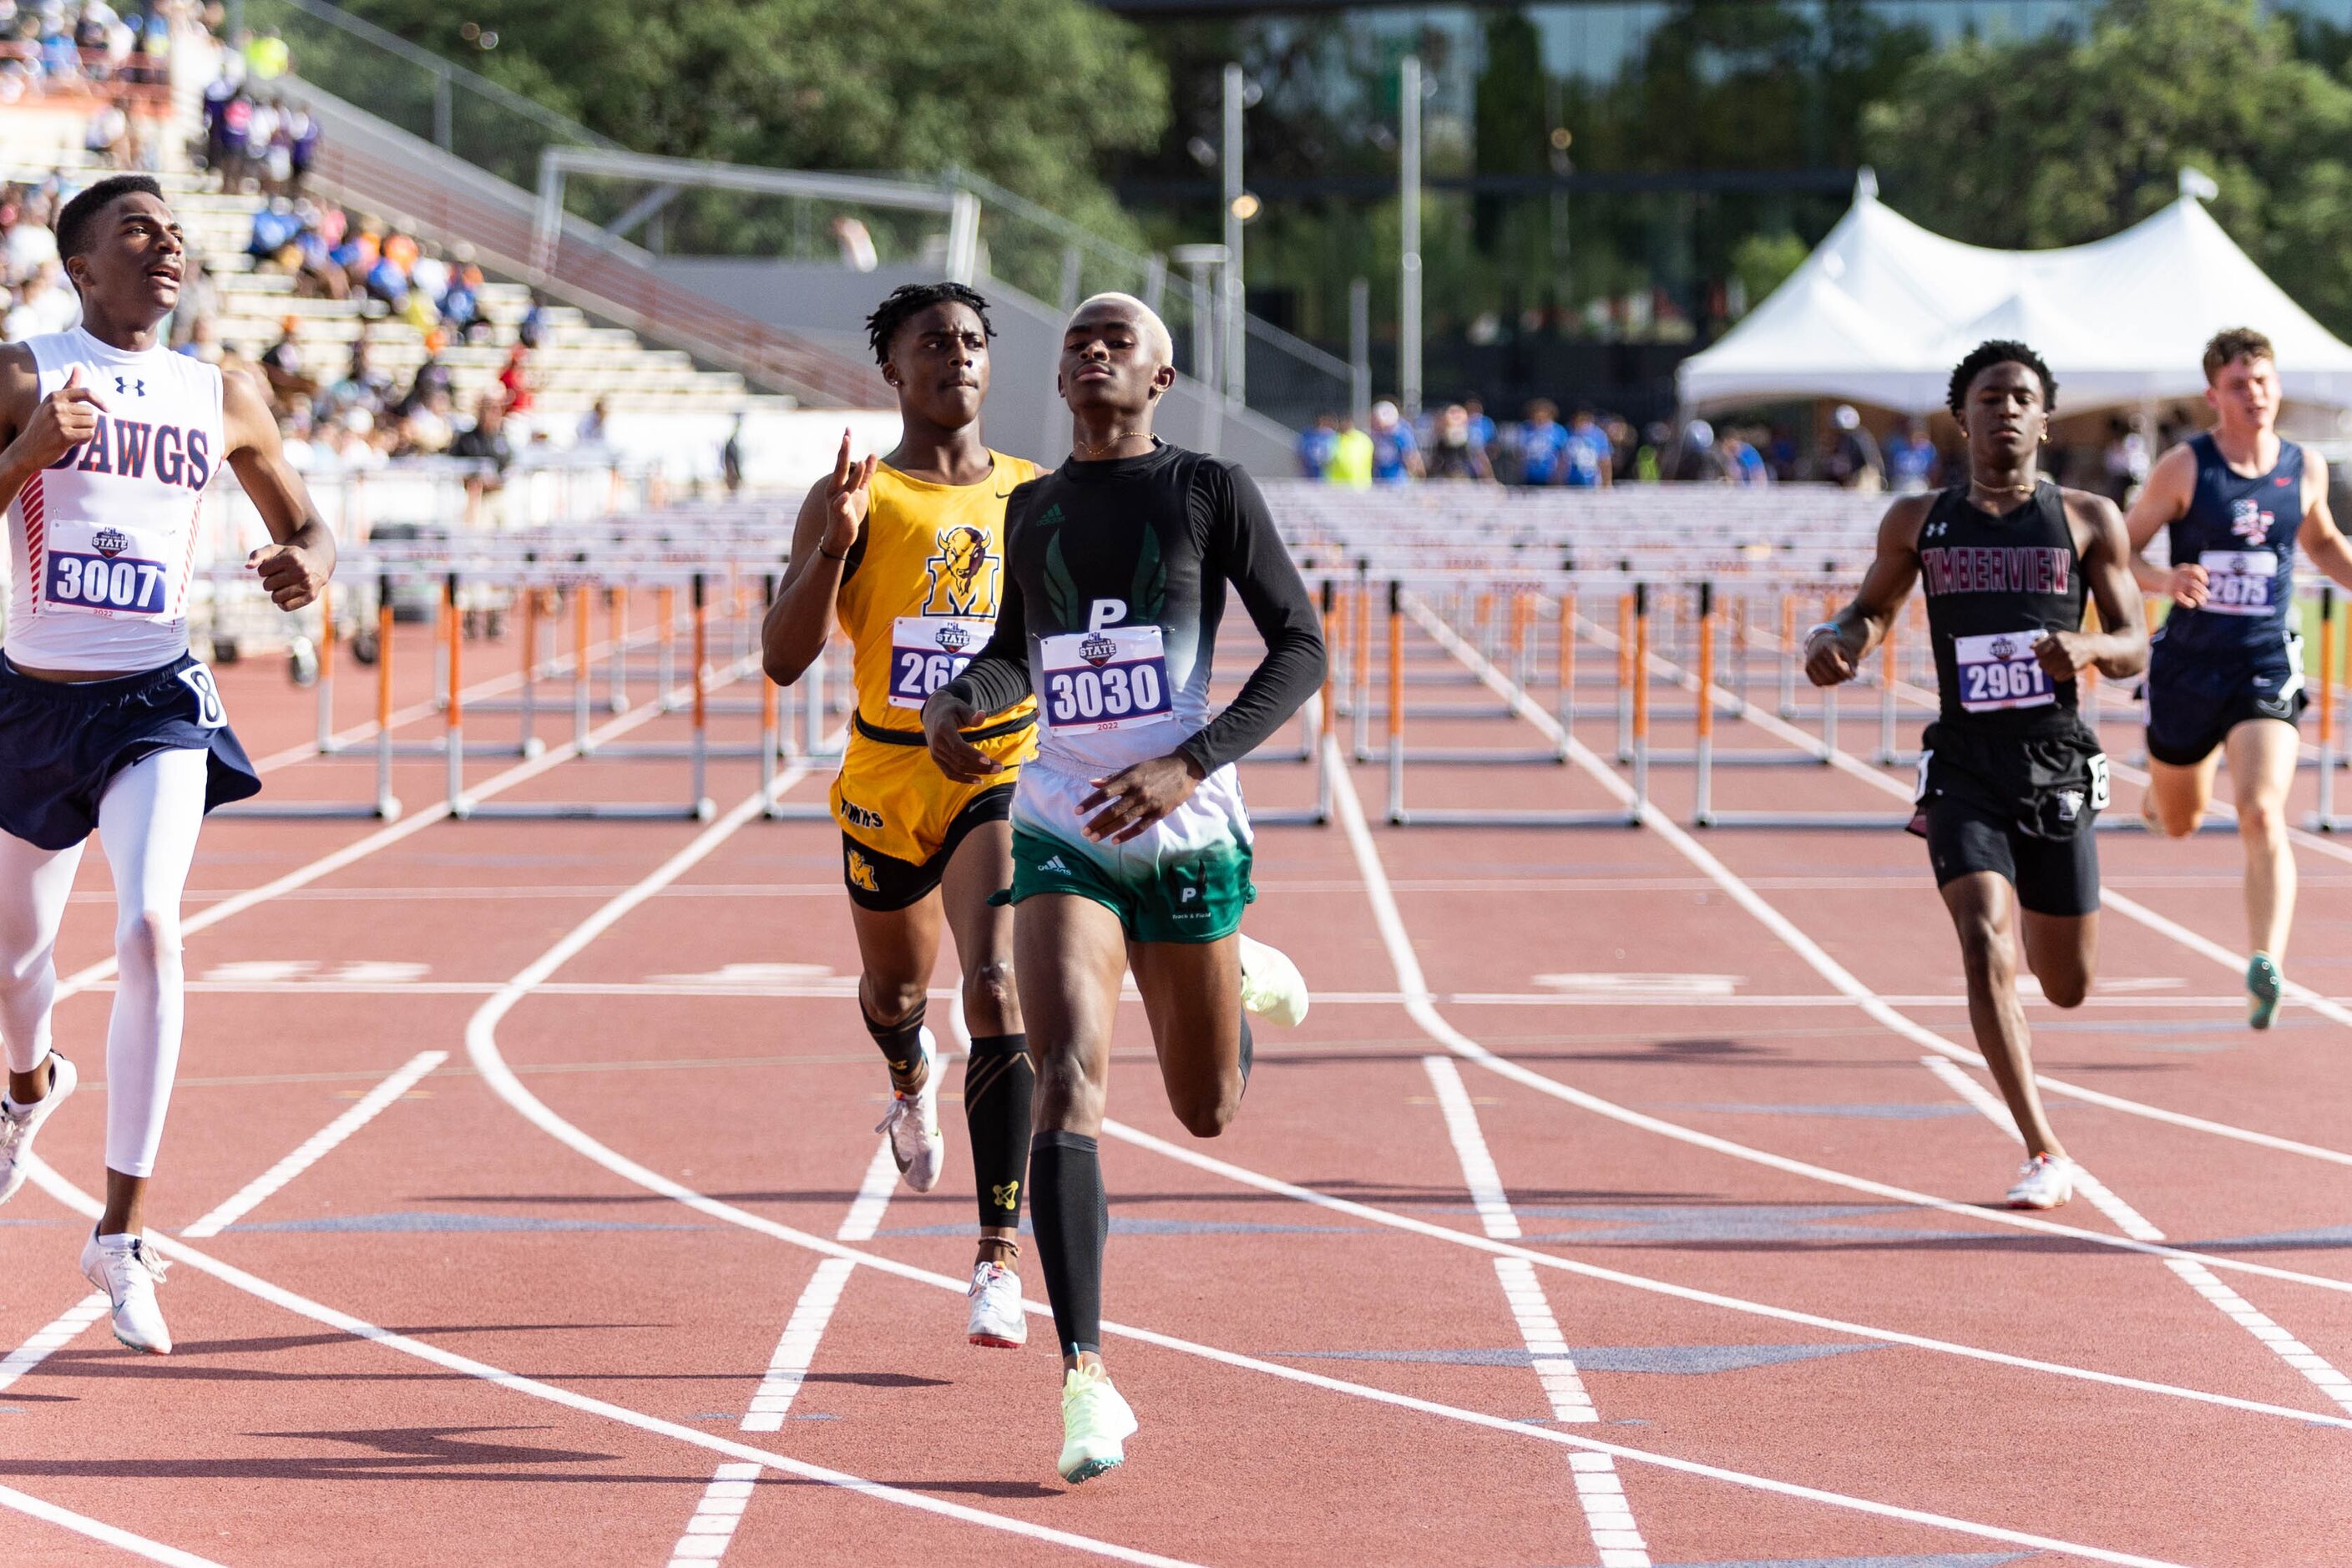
[963, 575]
[110, 542]
[2249, 521]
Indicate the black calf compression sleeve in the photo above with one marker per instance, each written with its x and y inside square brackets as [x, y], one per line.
[1073, 1221]
[902, 1048]
[998, 1083]
[1249, 1050]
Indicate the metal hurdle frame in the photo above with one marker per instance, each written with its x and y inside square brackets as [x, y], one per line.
[385, 807]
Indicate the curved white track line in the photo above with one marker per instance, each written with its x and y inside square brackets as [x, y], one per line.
[228, 1274]
[1527, 708]
[482, 1049]
[1349, 808]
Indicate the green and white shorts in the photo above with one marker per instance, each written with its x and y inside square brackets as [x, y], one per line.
[1184, 878]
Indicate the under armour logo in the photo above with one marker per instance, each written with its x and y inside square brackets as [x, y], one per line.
[1936, 529]
[130, 387]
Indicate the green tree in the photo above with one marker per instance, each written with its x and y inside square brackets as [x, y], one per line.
[1034, 94]
[2059, 142]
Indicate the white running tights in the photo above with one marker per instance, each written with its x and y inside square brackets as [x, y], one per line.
[147, 821]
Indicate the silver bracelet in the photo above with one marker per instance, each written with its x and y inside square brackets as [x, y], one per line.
[1819, 628]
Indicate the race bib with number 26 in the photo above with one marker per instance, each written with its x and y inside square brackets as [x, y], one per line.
[928, 651]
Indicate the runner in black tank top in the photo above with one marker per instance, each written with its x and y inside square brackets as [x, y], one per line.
[2225, 674]
[2010, 777]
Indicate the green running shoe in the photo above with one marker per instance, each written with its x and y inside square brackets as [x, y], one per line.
[1096, 1424]
[2263, 988]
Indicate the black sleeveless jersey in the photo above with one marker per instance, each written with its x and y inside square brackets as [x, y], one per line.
[1994, 585]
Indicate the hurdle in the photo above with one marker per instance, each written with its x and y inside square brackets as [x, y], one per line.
[385, 807]
[2323, 697]
[1518, 705]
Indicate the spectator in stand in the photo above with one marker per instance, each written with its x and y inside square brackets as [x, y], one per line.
[424, 428]
[1587, 463]
[107, 141]
[485, 441]
[1853, 461]
[1395, 456]
[1911, 460]
[44, 305]
[267, 57]
[1742, 463]
[1351, 457]
[1481, 428]
[731, 459]
[1542, 446]
[514, 379]
[275, 230]
[301, 129]
[1695, 460]
[533, 325]
[31, 244]
[461, 306]
[1453, 454]
[432, 376]
[1315, 445]
[596, 425]
[202, 343]
[429, 276]
[282, 363]
[386, 279]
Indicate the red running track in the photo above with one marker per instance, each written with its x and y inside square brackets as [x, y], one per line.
[1586, 1221]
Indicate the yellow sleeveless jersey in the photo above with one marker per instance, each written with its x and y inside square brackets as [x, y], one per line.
[925, 579]
[919, 601]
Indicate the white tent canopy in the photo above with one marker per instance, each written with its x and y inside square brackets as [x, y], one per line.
[1882, 309]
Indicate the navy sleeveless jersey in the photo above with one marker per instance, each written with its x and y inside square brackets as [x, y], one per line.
[1994, 585]
[2243, 532]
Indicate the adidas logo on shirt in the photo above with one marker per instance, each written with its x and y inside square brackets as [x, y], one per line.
[1056, 864]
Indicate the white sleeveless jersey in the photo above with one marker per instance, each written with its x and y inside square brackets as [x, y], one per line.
[102, 539]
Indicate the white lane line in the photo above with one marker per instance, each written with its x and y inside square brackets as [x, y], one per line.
[2322, 1374]
[481, 1044]
[1608, 1516]
[1263, 1183]
[1419, 1005]
[1478, 1173]
[316, 1146]
[98, 1529]
[278, 1296]
[55, 1337]
[1527, 708]
[723, 1502]
[2128, 1220]
[390, 834]
[91, 1308]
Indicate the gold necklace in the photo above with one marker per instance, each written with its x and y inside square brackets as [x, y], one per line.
[1090, 448]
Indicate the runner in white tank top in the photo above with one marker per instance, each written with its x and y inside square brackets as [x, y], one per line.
[107, 443]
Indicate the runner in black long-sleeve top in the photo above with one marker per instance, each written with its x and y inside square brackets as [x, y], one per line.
[1130, 844]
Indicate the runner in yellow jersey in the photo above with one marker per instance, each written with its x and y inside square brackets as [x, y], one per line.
[908, 551]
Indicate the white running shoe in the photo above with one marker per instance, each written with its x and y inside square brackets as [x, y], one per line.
[123, 1268]
[2042, 1183]
[1272, 986]
[17, 1124]
[1096, 1424]
[998, 1319]
[913, 1124]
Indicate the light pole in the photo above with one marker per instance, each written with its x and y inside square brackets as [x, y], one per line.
[1205, 263]
[1230, 305]
[1409, 192]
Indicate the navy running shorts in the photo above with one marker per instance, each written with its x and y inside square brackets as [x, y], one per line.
[61, 743]
[2194, 701]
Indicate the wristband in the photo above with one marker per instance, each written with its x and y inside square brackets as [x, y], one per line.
[829, 555]
[1819, 628]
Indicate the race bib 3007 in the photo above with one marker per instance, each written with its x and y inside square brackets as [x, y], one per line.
[1113, 679]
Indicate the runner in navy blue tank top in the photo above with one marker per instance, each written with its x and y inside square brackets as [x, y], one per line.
[2010, 777]
[2225, 673]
